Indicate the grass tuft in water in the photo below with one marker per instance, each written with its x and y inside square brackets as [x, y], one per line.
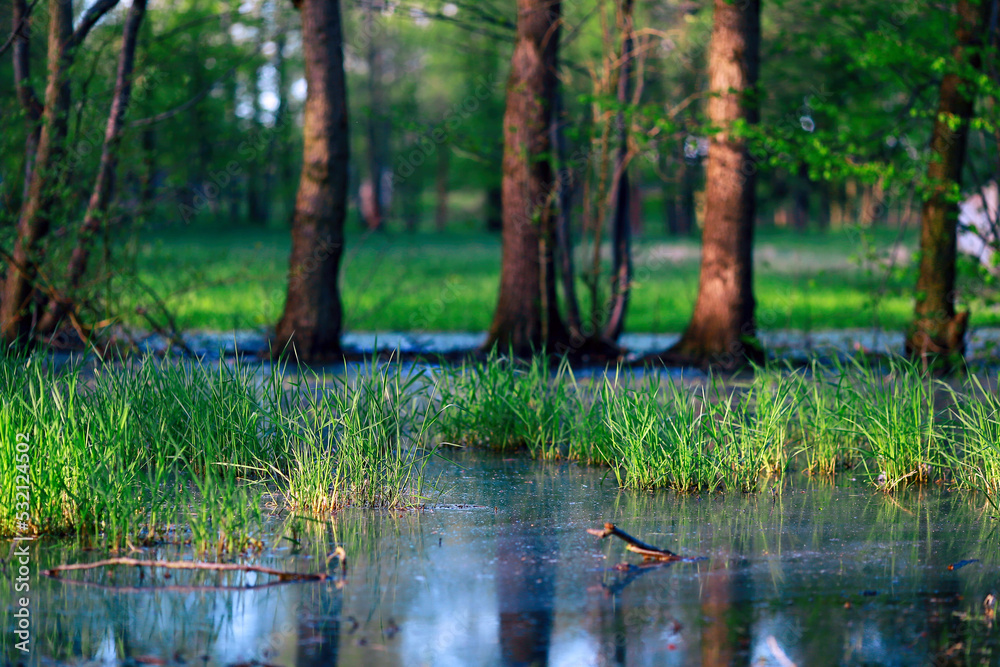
[142, 449]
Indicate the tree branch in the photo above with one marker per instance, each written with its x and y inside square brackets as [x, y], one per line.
[90, 17]
[186, 565]
[647, 551]
[17, 29]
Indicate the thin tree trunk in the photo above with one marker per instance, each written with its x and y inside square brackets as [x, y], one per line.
[34, 220]
[722, 330]
[43, 194]
[800, 199]
[257, 195]
[100, 198]
[635, 219]
[564, 239]
[312, 318]
[527, 317]
[621, 191]
[274, 172]
[938, 332]
[147, 184]
[494, 208]
[374, 58]
[441, 186]
[684, 201]
[25, 92]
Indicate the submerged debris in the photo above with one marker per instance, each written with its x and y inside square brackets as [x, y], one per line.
[185, 565]
[647, 551]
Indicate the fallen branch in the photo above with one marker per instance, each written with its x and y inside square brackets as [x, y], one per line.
[173, 588]
[647, 551]
[174, 565]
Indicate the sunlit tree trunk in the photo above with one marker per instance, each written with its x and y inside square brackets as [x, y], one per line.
[527, 315]
[312, 317]
[100, 198]
[938, 331]
[722, 330]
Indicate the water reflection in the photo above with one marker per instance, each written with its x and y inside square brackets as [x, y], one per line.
[824, 574]
[525, 575]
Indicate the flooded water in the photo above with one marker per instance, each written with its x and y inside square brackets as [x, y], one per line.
[506, 574]
[796, 346]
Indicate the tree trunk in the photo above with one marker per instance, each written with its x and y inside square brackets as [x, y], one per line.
[563, 236]
[621, 192]
[635, 219]
[494, 208]
[25, 92]
[100, 198]
[938, 332]
[34, 220]
[527, 316]
[374, 58]
[312, 320]
[147, 184]
[43, 192]
[274, 172]
[682, 201]
[441, 186]
[800, 199]
[257, 194]
[722, 330]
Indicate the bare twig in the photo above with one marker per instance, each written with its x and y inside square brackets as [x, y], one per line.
[647, 551]
[171, 333]
[184, 565]
[17, 29]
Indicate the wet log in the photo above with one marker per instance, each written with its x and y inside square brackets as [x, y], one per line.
[647, 551]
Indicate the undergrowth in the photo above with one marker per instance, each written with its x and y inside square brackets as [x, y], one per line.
[148, 450]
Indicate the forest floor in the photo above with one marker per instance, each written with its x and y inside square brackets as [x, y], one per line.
[222, 280]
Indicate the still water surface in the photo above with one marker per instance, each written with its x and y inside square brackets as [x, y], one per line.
[506, 574]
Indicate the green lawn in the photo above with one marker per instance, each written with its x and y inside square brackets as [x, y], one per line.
[220, 280]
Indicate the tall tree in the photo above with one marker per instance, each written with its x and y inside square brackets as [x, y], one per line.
[100, 198]
[527, 314]
[312, 318]
[621, 190]
[722, 330]
[35, 217]
[938, 331]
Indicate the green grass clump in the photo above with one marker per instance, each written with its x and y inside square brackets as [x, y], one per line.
[890, 420]
[149, 449]
[823, 424]
[657, 435]
[977, 463]
[505, 405]
[898, 426]
[360, 443]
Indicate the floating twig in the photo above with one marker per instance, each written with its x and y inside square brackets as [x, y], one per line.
[962, 563]
[183, 565]
[647, 551]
